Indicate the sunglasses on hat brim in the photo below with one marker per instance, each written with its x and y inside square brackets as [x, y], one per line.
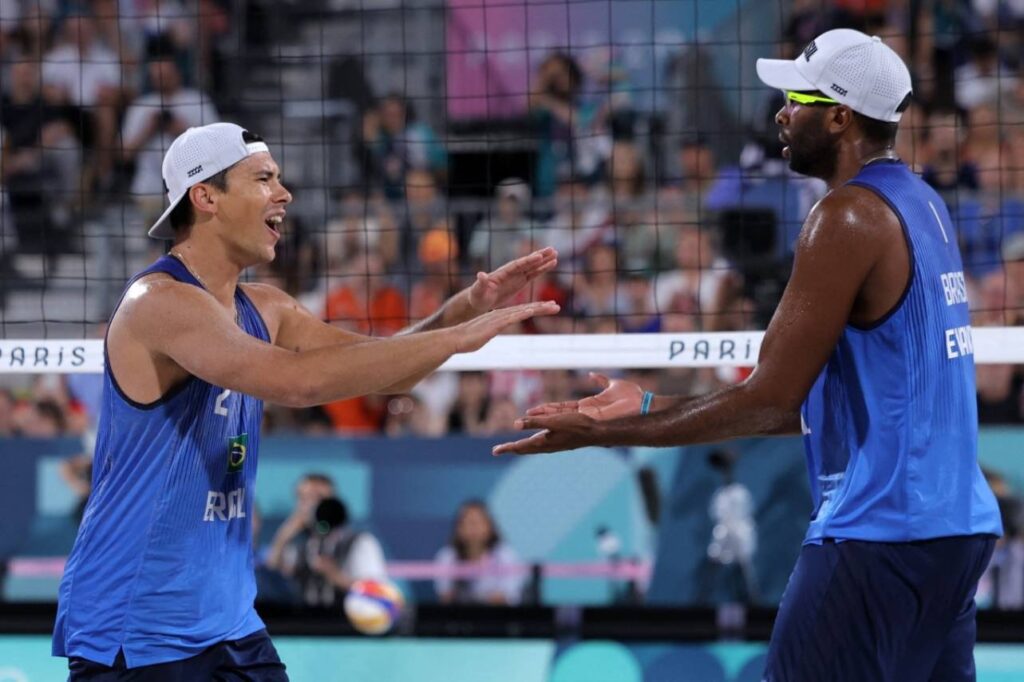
[807, 98]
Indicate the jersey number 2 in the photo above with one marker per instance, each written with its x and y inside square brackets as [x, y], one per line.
[219, 407]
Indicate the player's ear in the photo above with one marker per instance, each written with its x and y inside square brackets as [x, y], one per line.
[204, 199]
[840, 118]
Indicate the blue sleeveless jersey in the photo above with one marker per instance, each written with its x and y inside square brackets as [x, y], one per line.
[163, 563]
[891, 424]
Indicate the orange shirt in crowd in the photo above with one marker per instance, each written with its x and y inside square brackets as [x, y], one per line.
[383, 315]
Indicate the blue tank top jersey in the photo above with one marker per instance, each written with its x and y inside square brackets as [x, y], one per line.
[891, 425]
[163, 563]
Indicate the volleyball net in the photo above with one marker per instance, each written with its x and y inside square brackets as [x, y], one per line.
[426, 140]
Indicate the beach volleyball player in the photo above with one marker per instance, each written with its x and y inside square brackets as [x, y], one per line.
[159, 585]
[869, 355]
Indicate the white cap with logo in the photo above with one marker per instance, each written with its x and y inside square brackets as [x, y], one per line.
[852, 68]
[196, 155]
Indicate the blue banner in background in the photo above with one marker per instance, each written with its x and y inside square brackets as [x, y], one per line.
[550, 508]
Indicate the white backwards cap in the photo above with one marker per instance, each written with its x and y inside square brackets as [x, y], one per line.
[196, 155]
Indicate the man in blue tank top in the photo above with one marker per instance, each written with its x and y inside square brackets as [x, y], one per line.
[160, 585]
[869, 356]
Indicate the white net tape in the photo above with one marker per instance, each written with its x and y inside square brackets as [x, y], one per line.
[991, 345]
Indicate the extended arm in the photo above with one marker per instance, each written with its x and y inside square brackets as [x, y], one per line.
[300, 330]
[838, 248]
[187, 326]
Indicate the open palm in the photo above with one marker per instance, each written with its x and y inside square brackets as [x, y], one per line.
[619, 398]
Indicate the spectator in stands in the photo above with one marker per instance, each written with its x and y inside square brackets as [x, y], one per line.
[365, 224]
[291, 536]
[468, 414]
[701, 276]
[365, 300]
[596, 291]
[946, 168]
[81, 71]
[502, 235]
[153, 121]
[438, 256]
[699, 171]
[577, 226]
[40, 160]
[573, 143]
[336, 555]
[639, 314]
[422, 211]
[39, 419]
[982, 79]
[319, 550]
[118, 30]
[647, 239]
[476, 543]
[396, 143]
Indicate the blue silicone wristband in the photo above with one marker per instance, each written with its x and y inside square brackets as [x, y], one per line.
[645, 402]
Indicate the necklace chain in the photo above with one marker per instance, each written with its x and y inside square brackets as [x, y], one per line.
[181, 258]
[887, 153]
[188, 267]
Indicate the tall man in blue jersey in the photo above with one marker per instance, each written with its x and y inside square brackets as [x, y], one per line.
[159, 585]
[869, 355]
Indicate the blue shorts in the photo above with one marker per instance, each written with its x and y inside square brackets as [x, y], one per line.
[252, 658]
[886, 612]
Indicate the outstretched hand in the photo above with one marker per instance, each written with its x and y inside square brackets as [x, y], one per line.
[559, 432]
[494, 289]
[619, 398]
[472, 335]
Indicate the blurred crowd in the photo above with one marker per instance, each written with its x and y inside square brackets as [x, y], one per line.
[678, 236]
[93, 91]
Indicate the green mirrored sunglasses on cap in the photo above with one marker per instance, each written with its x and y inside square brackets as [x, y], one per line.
[808, 98]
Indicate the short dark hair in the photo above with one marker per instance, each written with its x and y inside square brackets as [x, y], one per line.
[880, 132]
[183, 214]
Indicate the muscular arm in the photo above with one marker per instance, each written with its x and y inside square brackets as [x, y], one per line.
[837, 249]
[184, 325]
[299, 330]
[188, 326]
[660, 403]
[842, 241]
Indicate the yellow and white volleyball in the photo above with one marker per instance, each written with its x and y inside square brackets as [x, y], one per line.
[373, 606]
